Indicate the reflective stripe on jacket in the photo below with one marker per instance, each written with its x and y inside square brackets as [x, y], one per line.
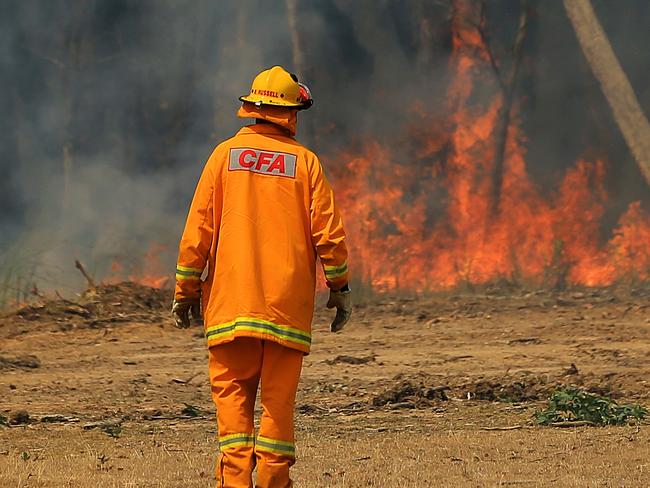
[261, 214]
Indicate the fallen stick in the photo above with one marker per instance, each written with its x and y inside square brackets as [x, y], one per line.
[511, 427]
[80, 267]
[518, 482]
[65, 300]
[578, 423]
[35, 291]
[185, 382]
[175, 417]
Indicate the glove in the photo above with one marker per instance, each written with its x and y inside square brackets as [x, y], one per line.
[342, 300]
[181, 312]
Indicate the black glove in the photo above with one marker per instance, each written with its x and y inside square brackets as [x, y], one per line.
[181, 310]
[342, 300]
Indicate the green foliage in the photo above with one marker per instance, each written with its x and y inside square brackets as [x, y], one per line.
[573, 405]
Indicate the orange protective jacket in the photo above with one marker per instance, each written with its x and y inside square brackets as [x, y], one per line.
[262, 213]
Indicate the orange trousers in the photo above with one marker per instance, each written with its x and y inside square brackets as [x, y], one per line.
[236, 370]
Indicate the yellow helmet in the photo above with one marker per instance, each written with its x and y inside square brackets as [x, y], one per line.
[276, 86]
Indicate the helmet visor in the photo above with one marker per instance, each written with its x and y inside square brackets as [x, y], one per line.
[305, 96]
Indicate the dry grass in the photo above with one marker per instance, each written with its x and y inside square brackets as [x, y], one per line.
[71, 457]
[182, 455]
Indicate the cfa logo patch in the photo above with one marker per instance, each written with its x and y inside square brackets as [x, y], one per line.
[263, 162]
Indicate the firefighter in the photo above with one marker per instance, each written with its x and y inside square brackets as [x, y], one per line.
[262, 213]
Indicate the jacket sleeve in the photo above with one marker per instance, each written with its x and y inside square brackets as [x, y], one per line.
[197, 237]
[328, 234]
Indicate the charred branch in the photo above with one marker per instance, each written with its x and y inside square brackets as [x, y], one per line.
[508, 84]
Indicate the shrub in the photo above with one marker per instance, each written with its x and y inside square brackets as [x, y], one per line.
[573, 405]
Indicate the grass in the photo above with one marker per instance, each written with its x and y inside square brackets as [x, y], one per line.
[17, 277]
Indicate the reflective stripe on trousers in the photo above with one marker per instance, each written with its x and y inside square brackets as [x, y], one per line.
[237, 368]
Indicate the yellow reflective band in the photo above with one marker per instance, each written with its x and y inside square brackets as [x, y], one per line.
[187, 269]
[187, 273]
[260, 326]
[233, 441]
[334, 276]
[274, 445]
[181, 277]
[332, 272]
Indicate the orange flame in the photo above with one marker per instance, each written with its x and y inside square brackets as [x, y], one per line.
[425, 226]
[420, 215]
[150, 271]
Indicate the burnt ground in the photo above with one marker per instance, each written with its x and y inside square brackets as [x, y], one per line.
[417, 391]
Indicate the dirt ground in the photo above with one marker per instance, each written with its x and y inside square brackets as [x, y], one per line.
[435, 391]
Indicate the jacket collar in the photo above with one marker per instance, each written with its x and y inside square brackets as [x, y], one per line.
[267, 129]
[279, 116]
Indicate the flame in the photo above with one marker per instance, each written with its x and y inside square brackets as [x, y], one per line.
[150, 270]
[420, 214]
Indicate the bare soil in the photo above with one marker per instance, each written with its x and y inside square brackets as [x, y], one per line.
[435, 391]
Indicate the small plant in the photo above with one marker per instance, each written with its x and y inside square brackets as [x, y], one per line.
[102, 460]
[113, 430]
[573, 405]
[191, 411]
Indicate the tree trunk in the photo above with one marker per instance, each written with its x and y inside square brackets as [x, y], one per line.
[614, 83]
[296, 44]
[302, 69]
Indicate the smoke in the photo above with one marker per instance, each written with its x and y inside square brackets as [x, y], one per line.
[110, 107]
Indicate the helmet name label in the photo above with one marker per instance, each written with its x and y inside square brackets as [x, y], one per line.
[263, 162]
[265, 93]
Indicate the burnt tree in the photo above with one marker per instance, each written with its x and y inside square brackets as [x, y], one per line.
[613, 81]
[507, 82]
